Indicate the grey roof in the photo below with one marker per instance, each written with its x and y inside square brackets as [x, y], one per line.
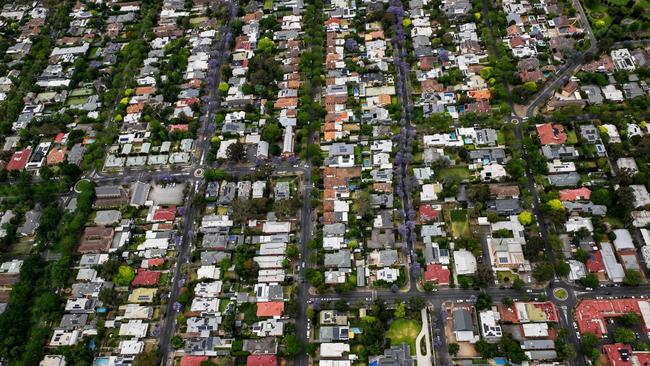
[333, 333]
[486, 136]
[228, 192]
[594, 94]
[140, 193]
[462, 320]
[340, 259]
[213, 257]
[564, 179]
[542, 355]
[31, 222]
[73, 321]
[506, 206]
[488, 155]
[108, 191]
[632, 90]
[276, 293]
[599, 210]
[564, 152]
[89, 260]
[381, 238]
[337, 229]
[590, 133]
[262, 346]
[85, 289]
[340, 149]
[76, 154]
[107, 217]
[388, 257]
[397, 355]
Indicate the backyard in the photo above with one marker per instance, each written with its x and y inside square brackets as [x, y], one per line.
[461, 172]
[459, 224]
[404, 330]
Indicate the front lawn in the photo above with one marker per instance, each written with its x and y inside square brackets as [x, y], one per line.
[506, 277]
[404, 330]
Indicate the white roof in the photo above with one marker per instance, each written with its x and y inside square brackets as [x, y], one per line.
[335, 350]
[131, 347]
[276, 227]
[623, 240]
[535, 329]
[465, 262]
[210, 272]
[134, 328]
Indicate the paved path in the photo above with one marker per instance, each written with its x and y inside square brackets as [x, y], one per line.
[424, 360]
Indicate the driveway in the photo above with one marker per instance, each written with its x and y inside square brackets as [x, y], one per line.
[423, 360]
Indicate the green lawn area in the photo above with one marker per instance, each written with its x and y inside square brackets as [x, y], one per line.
[404, 330]
[598, 16]
[268, 4]
[460, 229]
[614, 222]
[459, 171]
[560, 293]
[506, 277]
[501, 138]
[75, 101]
[572, 139]
[459, 224]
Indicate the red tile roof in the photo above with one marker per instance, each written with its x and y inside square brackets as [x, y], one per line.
[193, 360]
[615, 354]
[575, 194]
[591, 315]
[595, 262]
[153, 262]
[261, 360]
[551, 134]
[165, 213]
[59, 137]
[183, 128]
[428, 213]
[146, 278]
[437, 273]
[19, 159]
[274, 308]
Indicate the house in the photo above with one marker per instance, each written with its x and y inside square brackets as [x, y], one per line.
[396, 355]
[623, 240]
[551, 134]
[493, 172]
[464, 325]
[627, 163]
[464, 262]
[19, 160]
[578, 194]
[438, 274]
[387, 274]
[96, 239]
[570, 179]
[623, 59]
[270, 309]
[641, 195]
[505, 207]
[489, 324]
[261, 360]
[145, 278]
[328, 334]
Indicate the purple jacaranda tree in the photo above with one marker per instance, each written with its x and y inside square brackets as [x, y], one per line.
[351, 45]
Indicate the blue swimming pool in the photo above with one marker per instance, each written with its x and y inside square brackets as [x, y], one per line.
[500, 361]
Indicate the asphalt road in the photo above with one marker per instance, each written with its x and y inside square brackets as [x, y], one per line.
[568, 69]
[220, 54]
